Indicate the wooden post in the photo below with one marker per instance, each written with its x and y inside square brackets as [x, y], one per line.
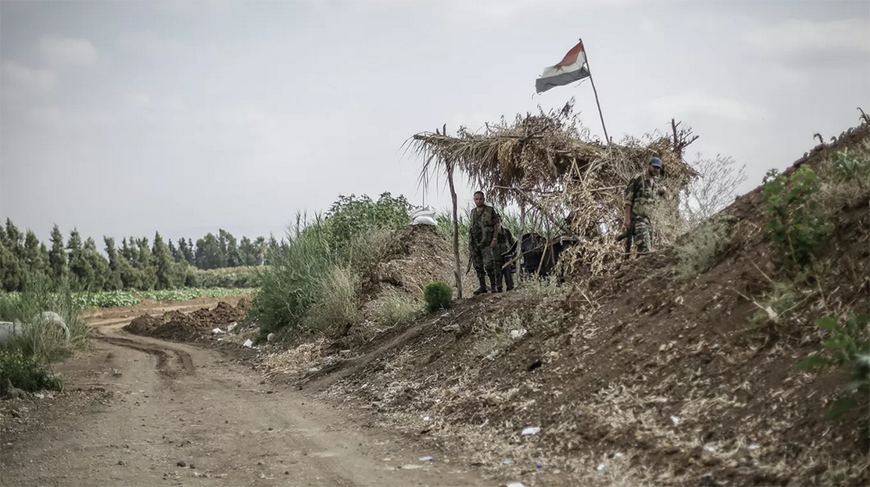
[457, 271]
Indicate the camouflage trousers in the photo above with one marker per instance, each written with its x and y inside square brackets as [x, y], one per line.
[643, 235]
[483, 257]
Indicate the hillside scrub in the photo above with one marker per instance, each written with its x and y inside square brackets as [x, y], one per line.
[313, 282]
[27, 358]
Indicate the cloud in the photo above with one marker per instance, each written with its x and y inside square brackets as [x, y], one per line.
[137, 99]
[149, 42]
[684, 106]
[74, 52]
[808, 42]
[20, 77]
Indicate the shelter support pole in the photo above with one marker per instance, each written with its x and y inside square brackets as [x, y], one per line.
[457, 271]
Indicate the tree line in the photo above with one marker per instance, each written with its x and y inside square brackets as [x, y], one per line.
[133, 264]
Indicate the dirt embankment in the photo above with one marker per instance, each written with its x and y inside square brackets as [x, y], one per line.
[639, 377]
[193, 326]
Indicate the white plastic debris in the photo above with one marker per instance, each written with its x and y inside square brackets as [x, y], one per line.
[314, 369]
[270, 337]
[427, 418]
[676, 420]
[531, 430]
[427, 459]
[232, 326]
[248, 343]
[617, 455]
[514, 484]
[754, 447]
[507, 461]
[710, 448]
[411, 466]
[517, 334]
[602, 469]
[216, 331]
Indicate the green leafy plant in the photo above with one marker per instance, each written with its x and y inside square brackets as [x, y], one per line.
[848, 344]
[850, 166]
[700, 252]
[27, 372]
[438, 295]
[796, 224]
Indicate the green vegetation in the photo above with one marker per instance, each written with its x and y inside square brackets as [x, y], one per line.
[702, 248]
[25, 360]
[26, 372]
[312, 281]
[852, 166]
[847, 344]
[213, 261]
[796, 224]
[438, 295]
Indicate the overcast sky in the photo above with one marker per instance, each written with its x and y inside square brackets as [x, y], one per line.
[124, 118]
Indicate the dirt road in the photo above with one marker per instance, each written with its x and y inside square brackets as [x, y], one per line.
[175, 414]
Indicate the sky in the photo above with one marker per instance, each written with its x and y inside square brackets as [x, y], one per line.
[125, 118]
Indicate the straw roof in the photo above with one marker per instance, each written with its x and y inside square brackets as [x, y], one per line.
[550, 163]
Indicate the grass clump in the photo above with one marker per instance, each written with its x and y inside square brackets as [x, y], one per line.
[702, 250]
[438, 295]
[397, 309]
[27, 372]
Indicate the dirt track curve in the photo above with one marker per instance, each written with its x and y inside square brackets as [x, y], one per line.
[170, 403]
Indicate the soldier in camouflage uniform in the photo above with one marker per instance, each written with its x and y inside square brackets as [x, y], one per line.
[483, 244]
[640, 196]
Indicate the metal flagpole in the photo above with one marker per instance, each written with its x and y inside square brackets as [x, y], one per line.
[592, 80]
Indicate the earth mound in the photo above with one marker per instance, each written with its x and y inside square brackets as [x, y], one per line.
[178, 326]
[640, 377]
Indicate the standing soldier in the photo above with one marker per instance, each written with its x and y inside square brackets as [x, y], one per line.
[640, 196]
[483, 244]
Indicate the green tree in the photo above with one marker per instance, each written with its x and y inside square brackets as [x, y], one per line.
[168, 272]
[79, 266]
[114, 282]
[247, 251]
[261, 247]
[184, 248]
[145, 265]
[173, 251]
[208, 252]
[33, 254]
[57, 257]
[10, 272]
[229, 249]
[98, 264]
[14, 240]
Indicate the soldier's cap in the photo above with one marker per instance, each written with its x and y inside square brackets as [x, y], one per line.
[656, 162]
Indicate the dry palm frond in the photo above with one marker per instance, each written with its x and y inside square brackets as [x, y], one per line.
[549, 163]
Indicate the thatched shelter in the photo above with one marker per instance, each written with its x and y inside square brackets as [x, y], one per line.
[551, 166]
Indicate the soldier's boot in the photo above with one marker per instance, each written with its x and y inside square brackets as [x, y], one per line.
[495, 283]
[482, 289]
[509, 280]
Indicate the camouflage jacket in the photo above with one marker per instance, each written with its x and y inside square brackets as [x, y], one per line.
[640, 194]
[483, 222]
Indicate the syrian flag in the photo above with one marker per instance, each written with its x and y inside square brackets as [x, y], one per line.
[570, 69]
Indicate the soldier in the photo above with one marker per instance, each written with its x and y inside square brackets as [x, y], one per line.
[640, 196]
[483, 244]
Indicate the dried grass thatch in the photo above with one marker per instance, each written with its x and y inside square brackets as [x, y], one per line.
[550, 164]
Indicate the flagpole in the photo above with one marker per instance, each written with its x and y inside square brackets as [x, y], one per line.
[592, 80]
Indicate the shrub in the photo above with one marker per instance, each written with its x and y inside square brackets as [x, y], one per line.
[848, 344]
[438, 295]
[796, 224]
[700, 252]
[27, 372]
[849, 166]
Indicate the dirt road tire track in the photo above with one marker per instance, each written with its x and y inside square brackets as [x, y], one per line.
[175, 402]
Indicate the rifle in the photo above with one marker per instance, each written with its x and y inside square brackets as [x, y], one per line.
[468, 267]
[628, 236]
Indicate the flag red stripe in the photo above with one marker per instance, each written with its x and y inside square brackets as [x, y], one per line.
[571, 57]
